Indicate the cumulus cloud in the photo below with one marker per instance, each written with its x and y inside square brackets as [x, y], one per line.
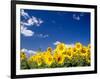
[56, 43]
[23, 50]
[26, 32]
[67, 45]
[28, 51]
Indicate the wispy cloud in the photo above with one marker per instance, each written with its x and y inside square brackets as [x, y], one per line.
[42, 35]
[33, 21]
[37, 21]
[78, 16]
[26, 32]
[30, 21]
[24, 14]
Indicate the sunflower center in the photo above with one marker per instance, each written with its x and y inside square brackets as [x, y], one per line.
[50, 59]
[59, 58]
[49, 49]
[78, 46]
[83, 51]
[74, 50]
[69, 53]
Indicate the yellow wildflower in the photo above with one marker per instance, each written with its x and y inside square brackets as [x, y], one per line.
[22, 56]
[49, 49]
[37, 58]
[78, 46]
[59, 58]
[48, 60]
[70, 52]
[61, 47]
[84, 51]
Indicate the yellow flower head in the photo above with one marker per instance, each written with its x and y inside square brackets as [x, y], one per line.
[61, 47]
[37, 58]
[59, 58]
[47, 53]
[31, 59]
[74, 49]
[75, 52]
[84, 51]
[49, 49]
[88, 54]
[48, 60]
[70, 52]
[78, 46]
[22, 56]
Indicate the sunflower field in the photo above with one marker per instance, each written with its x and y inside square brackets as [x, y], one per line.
[61, 56]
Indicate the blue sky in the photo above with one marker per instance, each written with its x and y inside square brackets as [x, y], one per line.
[40, 29]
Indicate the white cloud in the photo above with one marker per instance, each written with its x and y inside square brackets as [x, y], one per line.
[76, 17]
[40, 21]
[23, 50]
[28, 51]
[32, 52]
[45, 36]
[42, 36]
[67, 45]
[26, 32]
[24, 14]
[56, 43]
[32, 21]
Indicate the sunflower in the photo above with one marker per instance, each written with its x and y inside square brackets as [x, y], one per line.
[65, 53]
[49, 49]
[84, 51]
[59, 58]
[38, 59]
[48, 59]
[88, 52]
[78, 46]
[46, 53]
[88, 57]
[74, 49]
[69, 52]
[22, 56]
[61, 47]
[31, 59]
